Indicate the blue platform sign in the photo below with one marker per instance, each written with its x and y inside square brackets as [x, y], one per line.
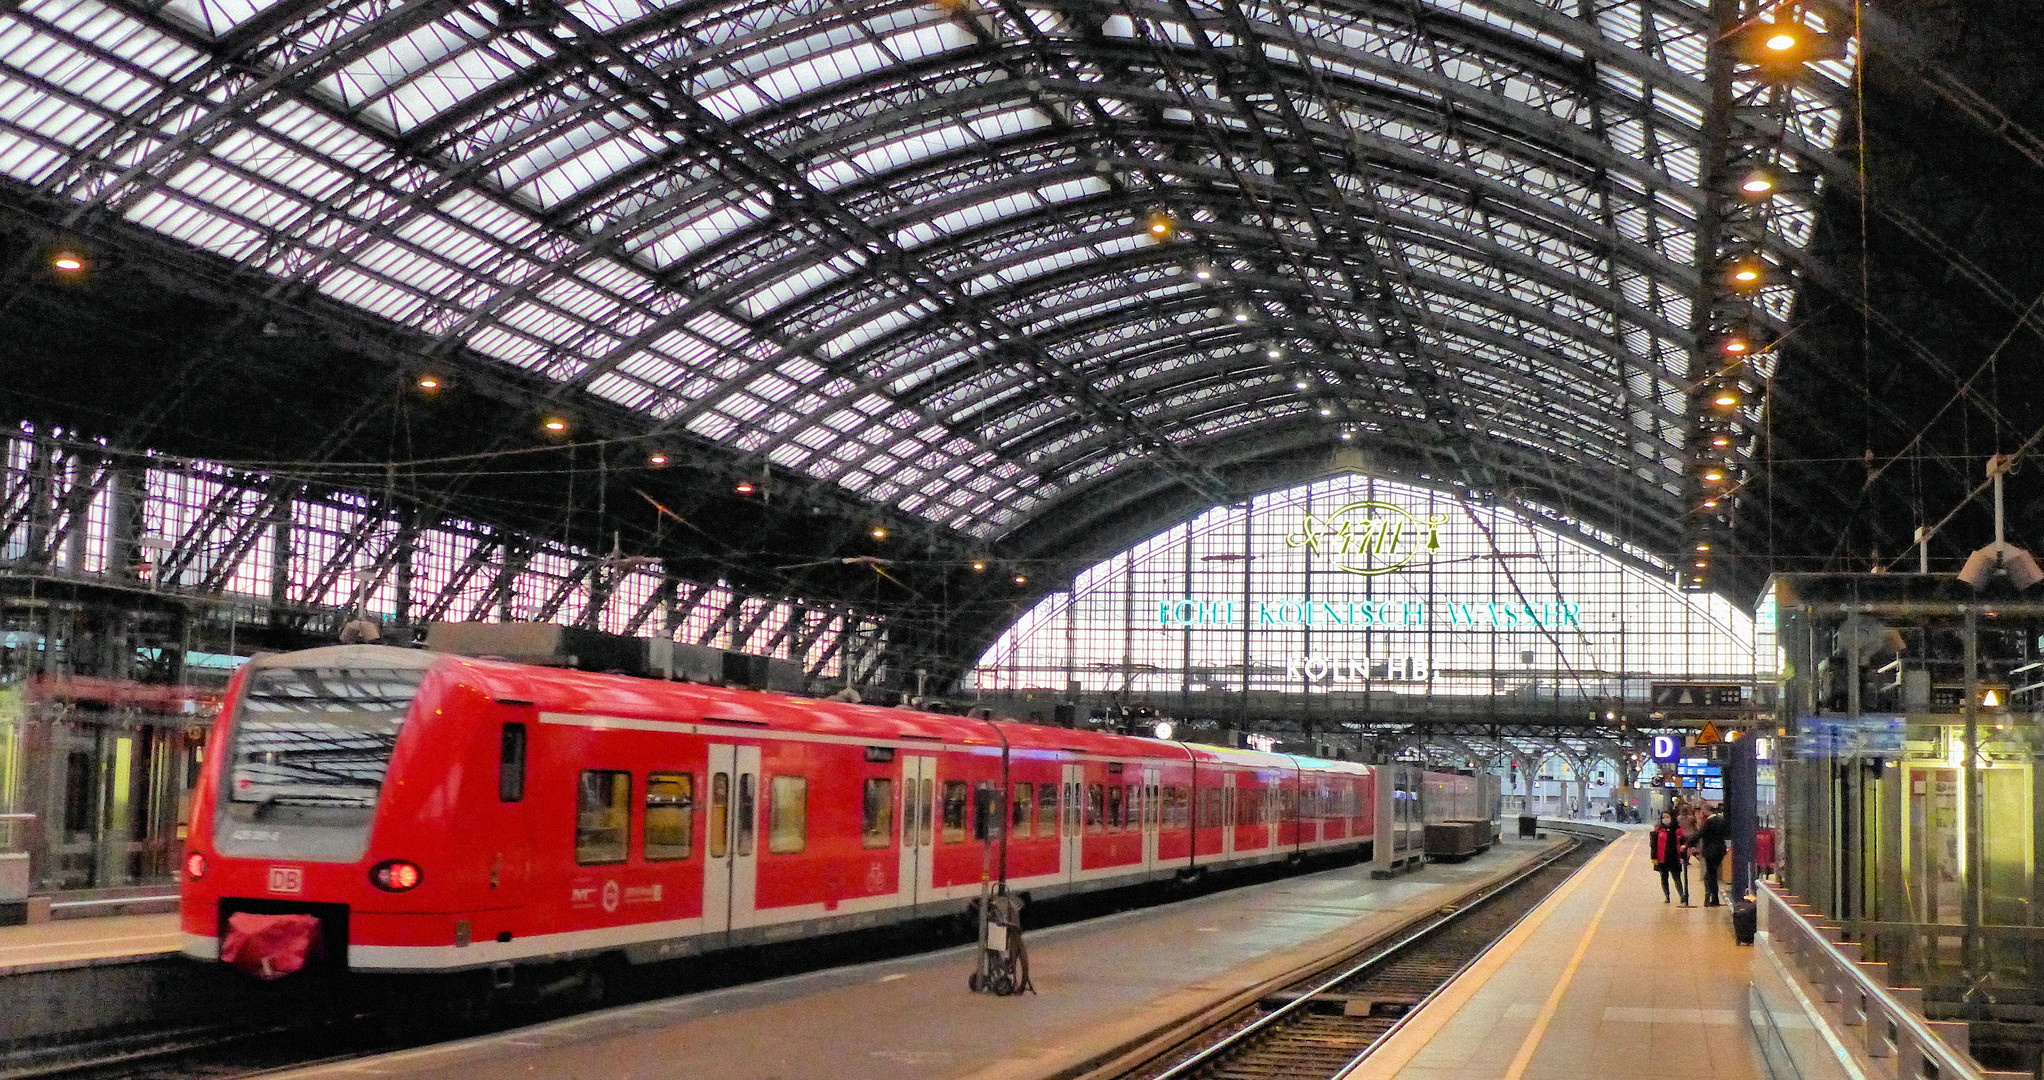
[1667, 747]
[1839, 736]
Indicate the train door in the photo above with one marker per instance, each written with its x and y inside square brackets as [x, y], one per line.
[1151, 818]
[1070, 819]
[732, 870]
[1228, 813]
[918, 791]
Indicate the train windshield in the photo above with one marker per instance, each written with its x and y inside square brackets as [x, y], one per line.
[319, 736]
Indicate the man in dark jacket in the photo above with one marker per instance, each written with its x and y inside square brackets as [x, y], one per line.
[1712, 839]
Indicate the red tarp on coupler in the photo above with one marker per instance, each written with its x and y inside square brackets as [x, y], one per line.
[271, 946]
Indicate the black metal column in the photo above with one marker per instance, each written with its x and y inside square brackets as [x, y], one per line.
[1741, 811]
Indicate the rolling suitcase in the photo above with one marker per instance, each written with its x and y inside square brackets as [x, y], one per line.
[1745, 921]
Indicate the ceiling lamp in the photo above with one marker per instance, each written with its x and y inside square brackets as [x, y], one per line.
[656, 459]
[1703, 547]
[1021, 580]
[554, 425]
[1241, 316]
[1757, 183]
[1203, 272]
[1735, 345]
[69, 262]
[1325, 411]
[1722, 440]
[1302, 384]
[1273, 352]
[1781, 41]
[1725, 399]
[1713, 476]
[879, 533]
[978, 565]
[429, 382]
[743, 487]
[1161, 225]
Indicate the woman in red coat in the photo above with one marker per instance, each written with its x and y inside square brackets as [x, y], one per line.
[1670, 853]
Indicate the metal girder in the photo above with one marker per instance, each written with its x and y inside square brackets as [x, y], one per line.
[276, 496]
[660, 596]
[478, 557]
[1341, 153]
[352, 544]
[551, 606]
[516, 556]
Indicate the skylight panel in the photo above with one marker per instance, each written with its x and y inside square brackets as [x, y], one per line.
[622, 390]
[425, 48]
[120, 35]
[512, 348]
[216, 17]
[579, 161]
[177, 218]
[700, 232]
[711, 425]
[369, 293]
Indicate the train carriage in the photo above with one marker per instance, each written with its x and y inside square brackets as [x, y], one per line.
[438, 812]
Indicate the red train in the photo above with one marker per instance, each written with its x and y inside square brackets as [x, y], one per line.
[438, 812]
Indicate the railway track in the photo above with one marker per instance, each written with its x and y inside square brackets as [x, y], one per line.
[1321, 1025]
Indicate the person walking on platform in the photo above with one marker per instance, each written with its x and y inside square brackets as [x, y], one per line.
[1712, 838]
[1670, 853]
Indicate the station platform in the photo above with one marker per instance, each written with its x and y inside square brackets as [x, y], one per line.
[67, 943]
[1603, 979]
[1104, 985]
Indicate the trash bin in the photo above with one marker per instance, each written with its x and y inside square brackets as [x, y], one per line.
[1745, 921]
[1529, 826]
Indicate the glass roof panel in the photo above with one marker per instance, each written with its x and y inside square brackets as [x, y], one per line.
[1541, 224]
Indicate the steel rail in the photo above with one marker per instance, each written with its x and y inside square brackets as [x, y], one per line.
[1276, 1017]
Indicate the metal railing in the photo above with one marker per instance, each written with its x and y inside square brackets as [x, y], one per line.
[1889, 1022]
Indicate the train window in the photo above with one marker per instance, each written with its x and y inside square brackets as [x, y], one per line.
[511, 763]
[603, 813]
[954, 811]
[720, 815]
[1135, 806]
[1114, 820]
[1022, 804]
[1096, 807]
[747, 814]
[877, 828]
[788, 815]
[925, 809]
[1046, 810]
[670, 815]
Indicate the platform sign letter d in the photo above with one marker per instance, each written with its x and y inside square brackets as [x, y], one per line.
[1666, 747]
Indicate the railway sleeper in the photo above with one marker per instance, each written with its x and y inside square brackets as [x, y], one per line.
[1334, 1003]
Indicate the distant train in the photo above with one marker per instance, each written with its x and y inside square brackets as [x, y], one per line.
[436, 812]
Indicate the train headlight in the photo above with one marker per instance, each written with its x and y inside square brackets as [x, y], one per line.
[395, 875]
[195, 866]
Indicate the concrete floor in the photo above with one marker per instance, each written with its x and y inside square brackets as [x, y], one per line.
[1604, 980]
[1102, 984]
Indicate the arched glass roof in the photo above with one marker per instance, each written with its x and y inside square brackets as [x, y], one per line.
[970, 259]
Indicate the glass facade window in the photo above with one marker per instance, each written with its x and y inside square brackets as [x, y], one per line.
[1359, 583]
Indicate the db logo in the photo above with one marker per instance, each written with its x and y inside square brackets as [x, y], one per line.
[287, 879]
[610, 896]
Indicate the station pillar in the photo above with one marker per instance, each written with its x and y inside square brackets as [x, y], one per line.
[1741, 811]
